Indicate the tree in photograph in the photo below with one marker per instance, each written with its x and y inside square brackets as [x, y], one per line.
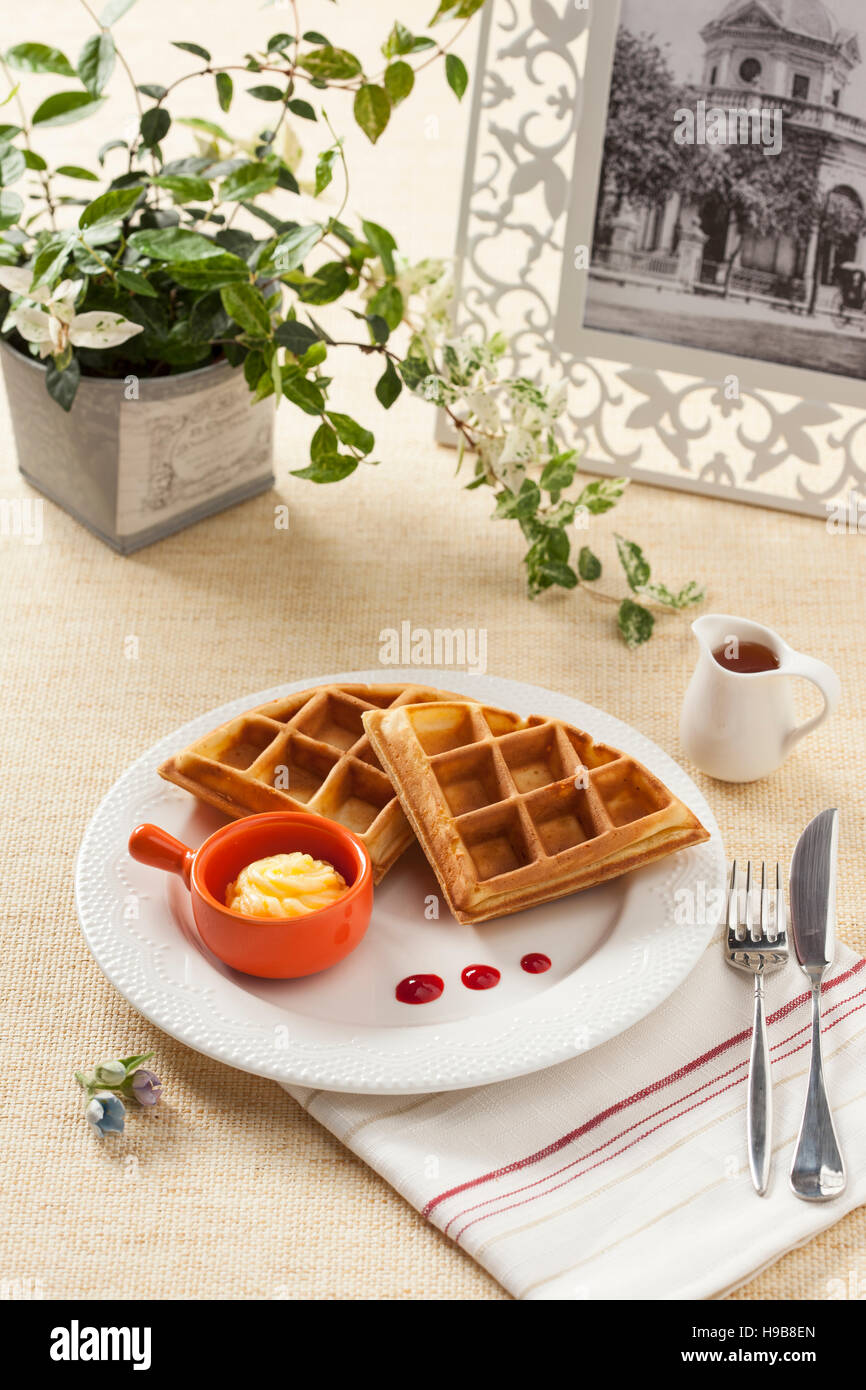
[761, 193]
[840, 221]
[641, 163]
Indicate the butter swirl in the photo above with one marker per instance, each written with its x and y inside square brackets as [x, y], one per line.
[285, 885]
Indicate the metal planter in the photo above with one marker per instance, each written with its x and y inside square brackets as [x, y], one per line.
[139, 458]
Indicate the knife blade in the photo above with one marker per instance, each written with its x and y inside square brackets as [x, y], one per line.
[817, 1167]
[813, 893]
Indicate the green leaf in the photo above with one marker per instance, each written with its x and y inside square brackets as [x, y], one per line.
[175, 244]
[136, 283]
[74, 171]
[62, 386]
[372, 110]
[400, 40]
[388, 387]
[326, 285]
[691, 594]
[515, 506]
[209, 127]
[11, 208]
[330, 469]
[248, 181]
[299, 107]
[96, 62]
[324, 443]
[211, 274]
[559, 472]
[387, 303]
[556, 572]
[324, 170]
[51, 260]
[415, 370]
[297, 337]
[155, 125]
[246, 305]
[382, 243]
[107, 147]
[330, 64]
[399, 81]
[225, 90]
[184, 188]
[113, 11]
[39, 57]
[110, 207]
[315, 354]
[351, 433]
[456, 9]
[35, 161]
[65, 107]
[291, 249]
[12, 164]
[588, 565]
[380, 333]
[633, 561]
[635, 623]
[602, 495]
[277, 42]
[192, 48]
[303, 392]
[456, 75]
[153, 89]
[266, 93]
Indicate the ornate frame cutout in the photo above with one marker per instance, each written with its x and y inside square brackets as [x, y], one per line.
[792, 439]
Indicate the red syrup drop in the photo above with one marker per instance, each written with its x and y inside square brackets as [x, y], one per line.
[419, 989]
[480, 976]
[535, 963]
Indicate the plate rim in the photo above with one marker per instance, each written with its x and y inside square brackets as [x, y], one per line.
[411, 1073]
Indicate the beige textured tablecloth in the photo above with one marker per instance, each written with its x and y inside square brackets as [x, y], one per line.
[230, 1190]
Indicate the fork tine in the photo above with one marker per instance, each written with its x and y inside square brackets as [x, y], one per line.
[772, 921]
[732, 899]
[735, 927]
[748, 904]
[780, 904]
[761, 934]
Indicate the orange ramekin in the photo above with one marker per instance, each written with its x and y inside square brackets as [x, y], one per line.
[273, 948]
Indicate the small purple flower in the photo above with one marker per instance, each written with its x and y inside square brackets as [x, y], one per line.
[146, 1087]
[105, 1113]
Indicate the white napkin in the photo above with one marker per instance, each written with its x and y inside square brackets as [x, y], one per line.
[623, 1173]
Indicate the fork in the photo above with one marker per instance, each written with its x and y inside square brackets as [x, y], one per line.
[758, 947]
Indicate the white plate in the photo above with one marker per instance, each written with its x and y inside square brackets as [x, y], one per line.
[617, 950]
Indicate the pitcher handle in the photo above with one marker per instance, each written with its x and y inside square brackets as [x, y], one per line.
[825, 678]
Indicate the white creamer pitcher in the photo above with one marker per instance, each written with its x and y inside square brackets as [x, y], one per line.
[739, 727]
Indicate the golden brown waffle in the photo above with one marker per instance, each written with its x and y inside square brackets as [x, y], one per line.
[512, 812]
[306, 752]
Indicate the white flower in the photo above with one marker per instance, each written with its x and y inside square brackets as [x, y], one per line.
[49, 318]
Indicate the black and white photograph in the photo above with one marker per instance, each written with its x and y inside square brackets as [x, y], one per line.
[731, 208]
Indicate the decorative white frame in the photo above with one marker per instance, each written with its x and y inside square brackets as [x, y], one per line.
[795, 439]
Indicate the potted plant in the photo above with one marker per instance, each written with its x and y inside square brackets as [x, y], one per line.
[155, 310]
[139, 324]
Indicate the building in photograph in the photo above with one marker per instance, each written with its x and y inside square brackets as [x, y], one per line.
[788, 55]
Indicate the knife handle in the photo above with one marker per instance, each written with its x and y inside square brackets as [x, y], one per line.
[759, 1109]
[817, 1168]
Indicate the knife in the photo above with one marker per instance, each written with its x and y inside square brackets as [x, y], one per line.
[817, 1168]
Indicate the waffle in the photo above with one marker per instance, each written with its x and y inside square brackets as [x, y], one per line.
[513, 812]
[306, 752]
